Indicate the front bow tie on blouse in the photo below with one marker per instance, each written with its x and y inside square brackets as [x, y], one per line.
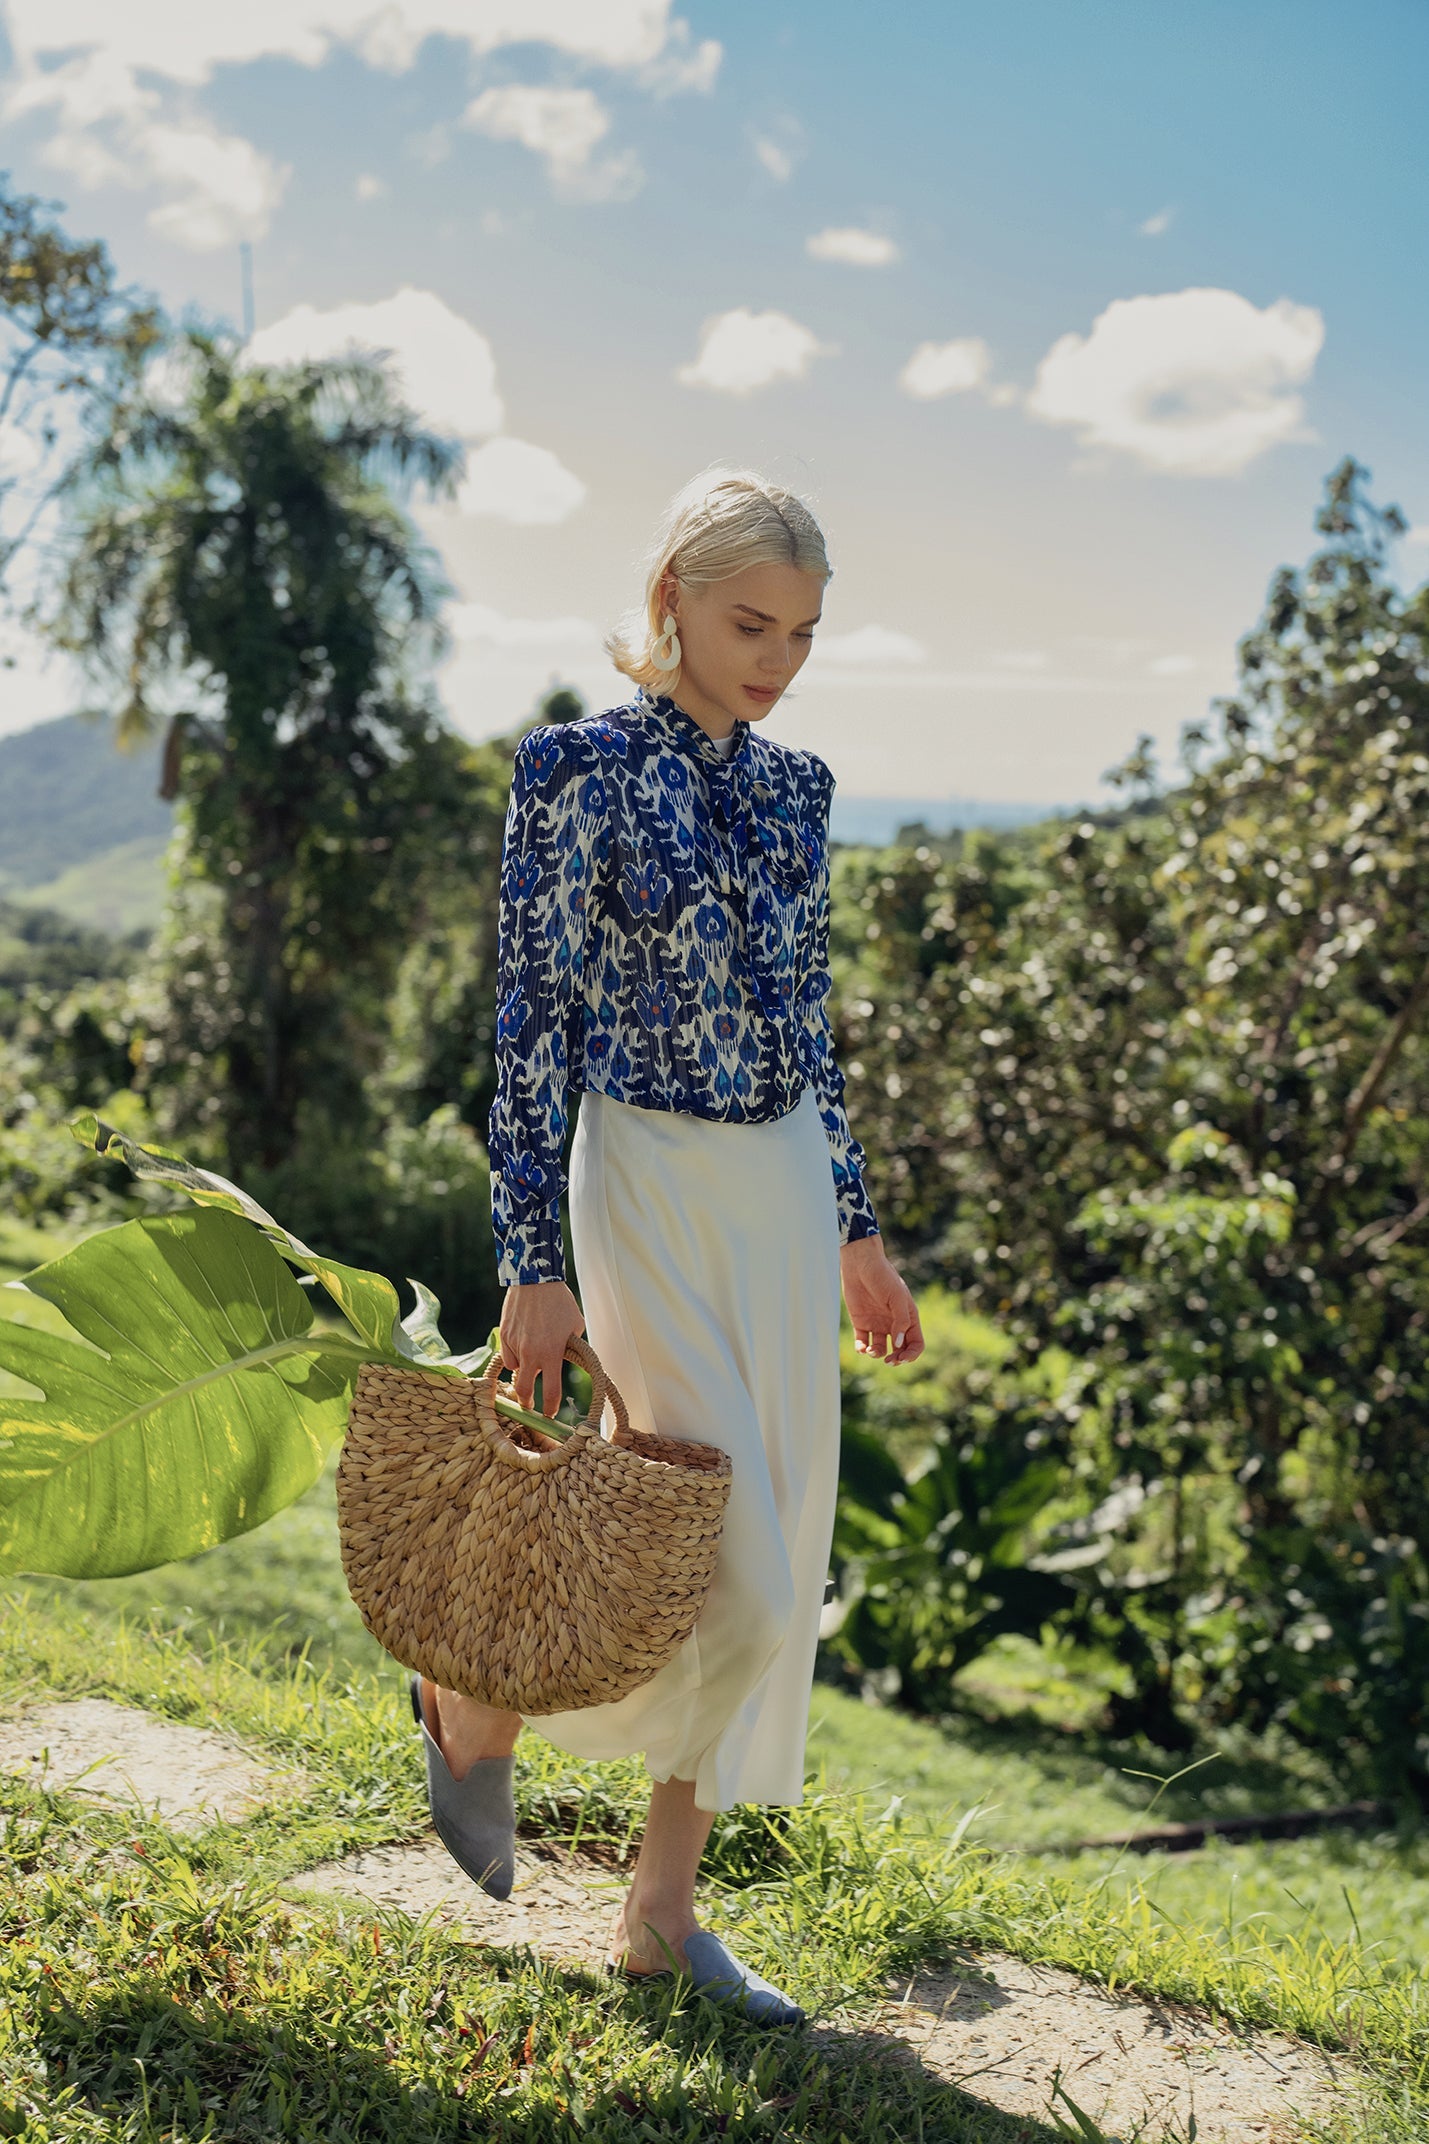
[737, 792]
[662, 939]
[750, 798]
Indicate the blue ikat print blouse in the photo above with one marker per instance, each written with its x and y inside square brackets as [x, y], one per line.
[663, 939]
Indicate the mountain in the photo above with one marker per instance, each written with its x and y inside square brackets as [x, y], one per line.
[878, 819]
[68, 795]
[82, 826]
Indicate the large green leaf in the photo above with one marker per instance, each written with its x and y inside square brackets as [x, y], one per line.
[366, 1300]
[197, 1400]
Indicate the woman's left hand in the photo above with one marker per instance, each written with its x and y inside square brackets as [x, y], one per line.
[880, 1305]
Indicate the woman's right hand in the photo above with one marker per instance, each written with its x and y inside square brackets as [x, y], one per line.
[538, 1317]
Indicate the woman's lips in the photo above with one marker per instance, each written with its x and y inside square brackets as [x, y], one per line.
[763, 693]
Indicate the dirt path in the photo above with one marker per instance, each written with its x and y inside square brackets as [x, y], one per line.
[186, 1774]
[558, 1905]
[999, 2029]
[1136, 2066]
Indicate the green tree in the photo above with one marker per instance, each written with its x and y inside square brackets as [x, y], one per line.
[1160, 1095]
[444, 1009]
[236, 562]
[71, 333]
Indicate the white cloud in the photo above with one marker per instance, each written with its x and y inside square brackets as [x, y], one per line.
[188, 43]
[1156, 226]
[478, 622]
[121, 77]
[446, 367]
[369, 187]
[37, 682]
[742, 350]
[868, 644]
[853, 247]
[510, 480]
[1171, 666]
[779, 147]
[682, 65]
[1419, 533]
[223, 188]
[564, 126]
[945, 368]
[1109, 647]
[1193, 382]
[430, 145]
[499, 667]
[111, 132]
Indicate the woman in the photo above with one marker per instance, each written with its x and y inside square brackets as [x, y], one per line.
[663, 951]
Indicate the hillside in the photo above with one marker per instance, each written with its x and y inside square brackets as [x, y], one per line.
[68, 795]
[120, 890]
[82, 827]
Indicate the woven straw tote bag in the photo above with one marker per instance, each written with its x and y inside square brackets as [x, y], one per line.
[533, 1573]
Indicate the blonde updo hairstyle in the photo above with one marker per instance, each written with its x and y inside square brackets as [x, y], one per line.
[719, 523]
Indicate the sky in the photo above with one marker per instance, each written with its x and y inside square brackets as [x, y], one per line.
[1058, 316]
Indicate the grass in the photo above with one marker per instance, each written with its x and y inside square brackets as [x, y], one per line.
[283, 1587]
[145, 2001]
[126, 1946]
[164, 1989]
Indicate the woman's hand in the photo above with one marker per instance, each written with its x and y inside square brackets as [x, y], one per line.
[537, 1319]
[880, 1306]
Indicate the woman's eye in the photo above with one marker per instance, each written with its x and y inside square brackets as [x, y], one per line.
[750, 629]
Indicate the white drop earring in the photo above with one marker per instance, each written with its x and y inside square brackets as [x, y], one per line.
[667, 657]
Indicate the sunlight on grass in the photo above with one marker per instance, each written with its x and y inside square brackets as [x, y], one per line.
[917, 1841]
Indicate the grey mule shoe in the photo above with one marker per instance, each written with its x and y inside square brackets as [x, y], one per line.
[716, 1972]
[475, 1817]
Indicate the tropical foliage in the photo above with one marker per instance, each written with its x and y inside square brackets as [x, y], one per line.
[1157, 1095]
[191, 1393]
[236, 563]
[1145, 1090]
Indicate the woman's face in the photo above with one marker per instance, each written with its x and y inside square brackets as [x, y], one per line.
[742, 640]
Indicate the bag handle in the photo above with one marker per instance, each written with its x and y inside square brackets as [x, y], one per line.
[602, 1388]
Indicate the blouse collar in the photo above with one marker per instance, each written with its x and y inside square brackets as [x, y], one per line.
[683, 730]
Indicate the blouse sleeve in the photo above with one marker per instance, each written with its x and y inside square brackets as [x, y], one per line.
[855, 1207]
[551, 848]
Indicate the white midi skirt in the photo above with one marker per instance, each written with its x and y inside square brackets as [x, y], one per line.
[707, 1262]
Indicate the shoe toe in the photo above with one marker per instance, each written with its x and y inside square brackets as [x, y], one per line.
[718, 1974]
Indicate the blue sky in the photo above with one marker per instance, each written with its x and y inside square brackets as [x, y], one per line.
[1059, 315]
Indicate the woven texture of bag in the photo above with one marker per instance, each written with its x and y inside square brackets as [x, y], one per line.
[530, 1572]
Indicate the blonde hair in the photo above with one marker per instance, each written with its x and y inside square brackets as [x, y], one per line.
[722, 521]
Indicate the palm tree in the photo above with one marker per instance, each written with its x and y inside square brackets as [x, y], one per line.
[236, 563]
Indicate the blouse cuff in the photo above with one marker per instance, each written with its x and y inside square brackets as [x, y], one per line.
[856, 1215]
[530, 1249]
